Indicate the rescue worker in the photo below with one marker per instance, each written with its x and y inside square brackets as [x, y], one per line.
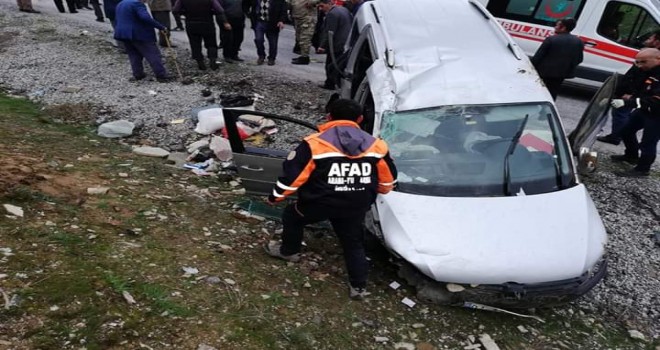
[200, 27]
[558, 56]
[628, 85]
[337, 20]
[646, 115]
[337, 174]
[304, 18]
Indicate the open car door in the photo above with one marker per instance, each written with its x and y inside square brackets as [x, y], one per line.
[259, 157]
[593, 119]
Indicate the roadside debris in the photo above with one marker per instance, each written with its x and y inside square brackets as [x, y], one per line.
[14, 210]
[189, 271]
[488, 342]
[97, 190]
[128, 297]
[635, 334]
[408, 302]
[116, 129]
[395, 285]
[476, 306]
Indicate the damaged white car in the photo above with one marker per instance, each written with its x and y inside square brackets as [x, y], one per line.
[489, 207]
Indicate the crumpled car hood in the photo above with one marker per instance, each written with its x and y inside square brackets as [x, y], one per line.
[493, 240]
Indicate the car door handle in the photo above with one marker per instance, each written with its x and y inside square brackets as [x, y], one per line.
[247, 167]
[590, 43]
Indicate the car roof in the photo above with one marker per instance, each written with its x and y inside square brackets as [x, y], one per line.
[448, 52]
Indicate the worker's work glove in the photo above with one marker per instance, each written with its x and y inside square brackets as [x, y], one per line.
[618, 103]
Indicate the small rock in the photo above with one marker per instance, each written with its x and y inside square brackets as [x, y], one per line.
[522, 329]
[123, 175]
[205, 347]
[425, 346]
[152, 93]
[14, 210]
[635, 334]
[404, 346]
[213, 280]
[455, 288]
[128, 297]
[488, 342]
[72, 89]
[472, 347]
[418, 325]
[190, 271]
[381, 339]
[151, 151]
[230, 281]
[97, 190]
[54, 308]
[116, 129]
[307, 285]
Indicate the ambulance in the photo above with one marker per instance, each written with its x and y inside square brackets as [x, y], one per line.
[613, 31]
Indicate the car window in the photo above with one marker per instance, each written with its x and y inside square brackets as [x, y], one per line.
[472, 150]
[545, 12]
[626, 24]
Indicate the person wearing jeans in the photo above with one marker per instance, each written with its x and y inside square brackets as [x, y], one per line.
[267, 17]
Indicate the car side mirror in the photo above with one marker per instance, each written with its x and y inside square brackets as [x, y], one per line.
[587, 161]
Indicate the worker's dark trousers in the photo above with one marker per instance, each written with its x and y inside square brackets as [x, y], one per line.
[199, 32]
[347, 227]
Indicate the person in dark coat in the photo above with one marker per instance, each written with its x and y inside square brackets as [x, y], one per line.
[71, 4]
[646, 115]
[628, 86]
[267, 17]
[232, 38]
[201, 28]
[558, 56]
[337, 20]
[135, 28]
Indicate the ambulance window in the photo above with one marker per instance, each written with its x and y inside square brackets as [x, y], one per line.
[627, 24]
[545, 12]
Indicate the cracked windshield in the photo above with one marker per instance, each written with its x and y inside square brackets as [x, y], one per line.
[478, 150]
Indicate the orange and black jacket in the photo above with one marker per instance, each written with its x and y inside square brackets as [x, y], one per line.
[340, 167]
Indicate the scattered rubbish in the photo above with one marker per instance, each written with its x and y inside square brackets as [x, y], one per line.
[235, 101]
[408, 302]
[54, 308]
[189, 271]
[116, 129]
[221, 148]
[14, 210]
[128, 297]
[395, 285]
[36, 94]
[209, 121]
[635, 334]
[201, 172]
[488, 342]
[195, 146]
[151, 151]
[201, 155]
[471, 305]
[522, 329]
[97, 190]
[381, 339]
[178, 121]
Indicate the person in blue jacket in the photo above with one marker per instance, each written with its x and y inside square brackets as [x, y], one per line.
[135, 28]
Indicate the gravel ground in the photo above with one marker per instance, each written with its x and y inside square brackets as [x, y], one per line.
[44, 57]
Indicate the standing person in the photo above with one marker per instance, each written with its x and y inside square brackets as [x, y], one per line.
[97, 10]
[337, 20]
[628, 85]
[201, 28]
[356, 4]
[110, 7]
[337, 174]
[161, 9]
[71, 4]
[304, 18]
[26, 6]
[135, 28]
[558, 56]
[232, 38]
[267, 18]
[177, 19]
[646, 115]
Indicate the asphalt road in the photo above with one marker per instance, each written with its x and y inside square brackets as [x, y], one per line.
[571, 103]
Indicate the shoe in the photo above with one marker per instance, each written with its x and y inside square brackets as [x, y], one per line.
[74, 11]
[327, 87]
[273, 249]
[271, 62]
[201, 65]
[619, 158]
[87, 8]
[229, 60]
[136, 78]
[300, 60]
[612, 140]
[164, 79]
[633, 173]
[260, 60]
[237, 59]
[213, 65]
[30, 11]
[100, 20]
[358, 293]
